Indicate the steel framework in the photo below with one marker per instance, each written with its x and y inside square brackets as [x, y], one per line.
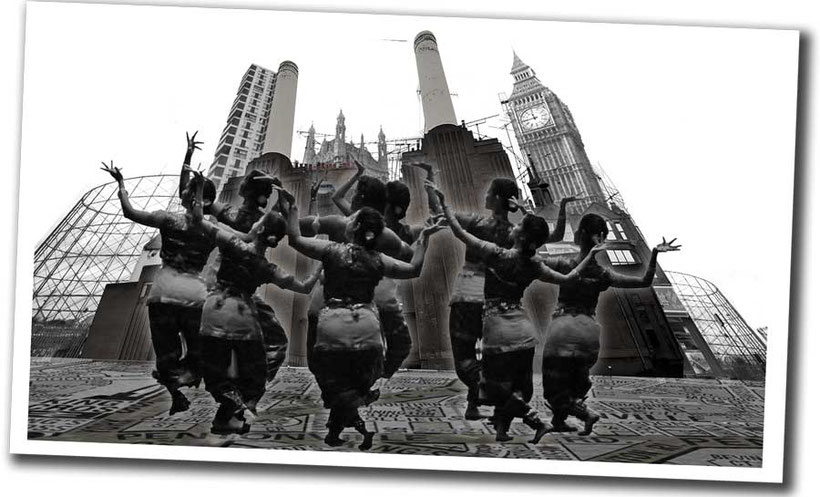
[92, 246]
[740, 351]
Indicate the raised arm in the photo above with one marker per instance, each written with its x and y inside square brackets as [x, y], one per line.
[624, 281]
[214, 229]
[288, 282]
[401, 270]
[546, 273]
[313, 207]
[561, 224]
[153, 219]
[339, 196]
[186, 163]
[389, 243]
[311, 247]
[433, 201]
[485, 248]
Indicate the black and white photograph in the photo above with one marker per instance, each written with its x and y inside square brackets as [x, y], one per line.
[405, 241]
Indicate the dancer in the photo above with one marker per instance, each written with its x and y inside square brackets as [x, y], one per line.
[573, 335]
[255, 189]
[177, 294]
[347, 355]
[370, 192]
[231, 328]
[467, 300]
[394, 326]
[508, 336]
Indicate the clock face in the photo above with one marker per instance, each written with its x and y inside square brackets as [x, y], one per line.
[536, 117]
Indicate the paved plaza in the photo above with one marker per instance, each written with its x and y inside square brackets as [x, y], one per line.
[644, 420]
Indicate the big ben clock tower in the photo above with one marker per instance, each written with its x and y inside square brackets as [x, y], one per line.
[546, 132]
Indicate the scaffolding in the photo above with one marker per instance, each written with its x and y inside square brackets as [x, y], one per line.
[92, 246]
[738, 349]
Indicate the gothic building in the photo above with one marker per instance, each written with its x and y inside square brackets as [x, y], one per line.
[337, 153]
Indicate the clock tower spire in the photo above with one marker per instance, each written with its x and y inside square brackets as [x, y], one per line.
[547, 134]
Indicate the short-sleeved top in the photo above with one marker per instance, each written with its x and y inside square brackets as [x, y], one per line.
[507, 274]
[469, 284]
[239, 218]
[489, 229]
[351, 272]
[184, 252]
[582, 294]
[242, 271]
[184, 247]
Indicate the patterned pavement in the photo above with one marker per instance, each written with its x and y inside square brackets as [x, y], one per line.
[643, 420]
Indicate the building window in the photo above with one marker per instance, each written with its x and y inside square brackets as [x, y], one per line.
[611, 232]
[621, 257]
[237, 164]
[620, 230]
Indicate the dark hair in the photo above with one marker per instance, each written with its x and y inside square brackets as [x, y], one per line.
[590, 224]
[505, 188]
[371, 193]
[371, 225]
[273, 224]
[398, 195]
[535, 232]
[250, 188]
[208, 192]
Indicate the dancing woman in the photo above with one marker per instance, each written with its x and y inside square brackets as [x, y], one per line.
[347, 354]
[467, 300]
[573, 336]
[230, 321]
[508, 336]
[178, 293]
[255, 189]
[370, 192]
[394, 326]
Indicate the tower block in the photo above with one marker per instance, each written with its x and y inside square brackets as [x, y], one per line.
[464, 168]
[291, 308]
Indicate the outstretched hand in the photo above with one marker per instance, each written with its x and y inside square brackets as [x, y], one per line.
[113, 171]
[516, 204]
[359, 167]
[600, 247]
[566, 200]
[427, 167]
[314, 188]
[192, 143]
[433, 226]
[265, 178]
[665, 246]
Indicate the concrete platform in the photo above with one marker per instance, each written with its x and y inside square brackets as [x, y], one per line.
[644, 420]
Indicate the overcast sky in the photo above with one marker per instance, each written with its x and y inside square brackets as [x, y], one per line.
[695, 126]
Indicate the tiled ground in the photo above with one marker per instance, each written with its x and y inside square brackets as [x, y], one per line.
[647, 420]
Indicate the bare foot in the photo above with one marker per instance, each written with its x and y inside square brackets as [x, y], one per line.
[589, 423]
[562, 428]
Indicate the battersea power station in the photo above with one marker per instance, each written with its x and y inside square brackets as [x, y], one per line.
[94, 271]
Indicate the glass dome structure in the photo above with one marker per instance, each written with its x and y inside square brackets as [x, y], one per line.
[739, 351]
[92, 246]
